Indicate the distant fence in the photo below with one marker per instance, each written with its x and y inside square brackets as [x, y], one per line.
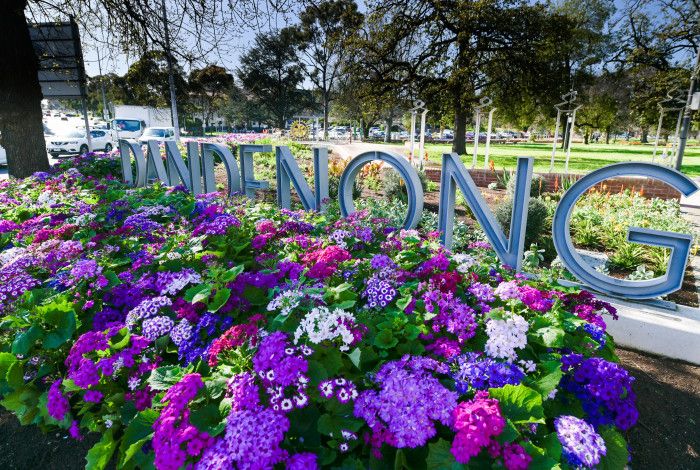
[554, 181]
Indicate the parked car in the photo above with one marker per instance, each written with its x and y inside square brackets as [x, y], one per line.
[75, 142]
[447, 134]
[3, 156]
[157, 133]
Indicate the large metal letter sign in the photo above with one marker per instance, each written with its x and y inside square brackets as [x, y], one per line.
[288, 173]
[155, 170]
[233, 176]
[248, 181]
[510, 250]
[677, 242]
[191, 174]
[126, 149]
[400, 164]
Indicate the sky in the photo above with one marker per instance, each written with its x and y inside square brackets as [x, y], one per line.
[230, 60]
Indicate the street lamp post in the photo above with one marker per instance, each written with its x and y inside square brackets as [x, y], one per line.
[171, 76]
[685, 125]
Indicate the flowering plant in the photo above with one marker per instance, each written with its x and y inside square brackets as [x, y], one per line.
[210, 332]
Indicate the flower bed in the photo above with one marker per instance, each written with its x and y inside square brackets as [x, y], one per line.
[216, 333]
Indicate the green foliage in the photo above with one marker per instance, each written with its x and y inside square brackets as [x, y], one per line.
[536, 218]
[395, 187]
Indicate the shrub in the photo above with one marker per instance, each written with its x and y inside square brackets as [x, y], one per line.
[395, 187]
[536, 218]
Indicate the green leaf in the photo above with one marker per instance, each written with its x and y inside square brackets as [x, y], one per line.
[385, 339]
[15, 375]
[549, 336]
[136, 434]
[24, 341]
[6, 361]
[519, 403]
[194, 291]
[232, 273]
[616, 454]
[220, 298]
[65, 327]
[165, 377]
[346, 304]
[552, 446]
[550, 379]
[440, 456]
[208, 419]
[355, 357]
[101, 453]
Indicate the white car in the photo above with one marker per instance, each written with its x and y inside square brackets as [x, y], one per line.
[157, 133]
[75, 142]
[3, 156]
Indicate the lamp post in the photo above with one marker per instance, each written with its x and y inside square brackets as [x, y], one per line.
[171, 76]
[484, 103]
[568, 109]
[688, 111]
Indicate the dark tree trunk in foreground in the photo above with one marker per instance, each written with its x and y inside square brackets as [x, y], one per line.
[20, 94]
[459, 144]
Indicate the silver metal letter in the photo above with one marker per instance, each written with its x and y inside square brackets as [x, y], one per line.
[210, 149]
[248, 181]
[679, 243]
[454, 174]
[127, 147]
[288, 173]
[400, 164]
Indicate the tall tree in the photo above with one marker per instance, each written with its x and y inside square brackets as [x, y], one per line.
[21, 128]
[202, 28]
[457, 49]
[323, 36]
[146, 82]
[270, 71]
[211, 87]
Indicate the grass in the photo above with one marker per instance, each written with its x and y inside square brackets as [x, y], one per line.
[584, 158]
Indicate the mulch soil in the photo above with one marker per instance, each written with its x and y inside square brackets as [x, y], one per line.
[667, 435]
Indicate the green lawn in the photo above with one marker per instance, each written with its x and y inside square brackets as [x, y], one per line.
[584, 158]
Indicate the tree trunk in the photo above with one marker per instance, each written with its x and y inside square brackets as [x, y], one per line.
[645, 134]
[387, 134]
[326, 106]
[607, 135]
[20, 94]
[459, 143]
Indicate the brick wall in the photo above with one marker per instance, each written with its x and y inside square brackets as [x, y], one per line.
[552, 181]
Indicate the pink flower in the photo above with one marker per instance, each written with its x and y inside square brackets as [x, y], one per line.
[475, 421]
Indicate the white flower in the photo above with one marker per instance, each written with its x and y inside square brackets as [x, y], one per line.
[505, 336]
[528, 366]
[320, 324]
[464, 262]
[288, 300]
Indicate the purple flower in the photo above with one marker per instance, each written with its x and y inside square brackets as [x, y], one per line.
[56, 403]
[582, 446]
[604, 388]
[479, 372]
[409, 400]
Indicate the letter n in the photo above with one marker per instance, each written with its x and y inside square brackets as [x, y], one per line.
[288, 173]
[454, 174]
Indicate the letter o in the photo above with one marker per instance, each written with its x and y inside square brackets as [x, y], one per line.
[400, 164]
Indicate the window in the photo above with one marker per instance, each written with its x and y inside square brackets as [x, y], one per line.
[127, 125]
[155, 133]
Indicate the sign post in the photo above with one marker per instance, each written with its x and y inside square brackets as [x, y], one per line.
[61, 69]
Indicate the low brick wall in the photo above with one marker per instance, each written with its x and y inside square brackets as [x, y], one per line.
[552, 182]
